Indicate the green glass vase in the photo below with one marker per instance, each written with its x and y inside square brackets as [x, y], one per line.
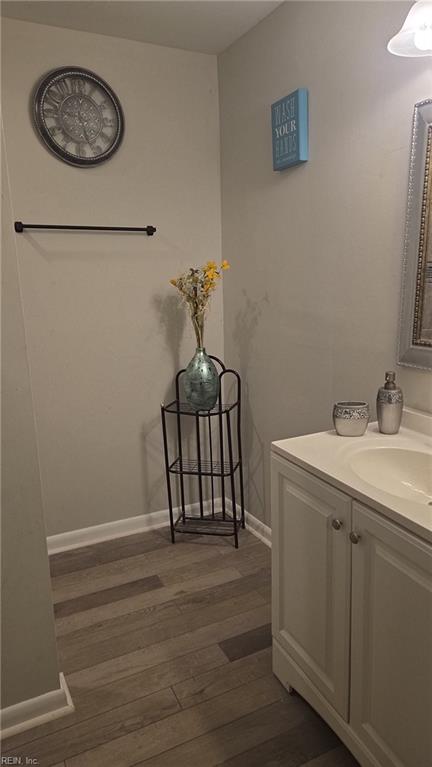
[201, 381]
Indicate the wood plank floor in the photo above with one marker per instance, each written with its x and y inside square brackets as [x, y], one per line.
[167, 653]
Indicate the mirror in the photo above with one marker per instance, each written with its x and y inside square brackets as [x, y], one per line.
[415, 339]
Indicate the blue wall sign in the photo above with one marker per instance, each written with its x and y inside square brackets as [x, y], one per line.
[290, 130]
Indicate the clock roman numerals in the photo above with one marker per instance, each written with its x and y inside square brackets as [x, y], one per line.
[51, 103]
[65, 86]
[53, 96]
[58, 136]
[50, 111]
[78, 85]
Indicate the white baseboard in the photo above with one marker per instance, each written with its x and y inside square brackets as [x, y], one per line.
[35, 711]
[253, 524]
[75, 539]
[259, 529]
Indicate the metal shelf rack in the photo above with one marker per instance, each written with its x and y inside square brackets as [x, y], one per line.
[216, 461]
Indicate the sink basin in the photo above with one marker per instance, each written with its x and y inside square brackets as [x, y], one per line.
[401, 472]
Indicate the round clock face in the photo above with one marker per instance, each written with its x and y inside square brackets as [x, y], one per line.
[78, 116]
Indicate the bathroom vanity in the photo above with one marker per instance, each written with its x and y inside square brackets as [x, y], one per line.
[352, 585]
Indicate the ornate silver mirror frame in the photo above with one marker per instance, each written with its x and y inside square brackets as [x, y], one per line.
[415, 334]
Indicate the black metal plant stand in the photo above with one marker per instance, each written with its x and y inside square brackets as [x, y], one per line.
[217, 461]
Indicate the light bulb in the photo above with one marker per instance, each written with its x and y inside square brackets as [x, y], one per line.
[423, 38]
[415, 37]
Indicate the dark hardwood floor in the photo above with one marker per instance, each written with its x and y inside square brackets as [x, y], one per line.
[167, 654]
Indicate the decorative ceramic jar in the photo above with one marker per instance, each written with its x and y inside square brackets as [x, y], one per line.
[351, 418]
[201, 381]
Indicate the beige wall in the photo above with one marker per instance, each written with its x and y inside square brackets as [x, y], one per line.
[104, 331]
[312, 301]
[311, 308]
[29, 657]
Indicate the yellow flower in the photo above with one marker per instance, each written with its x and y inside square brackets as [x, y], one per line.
[210, 283]
[211, 274]
[211, 265]
[173, 282]
[225, 264]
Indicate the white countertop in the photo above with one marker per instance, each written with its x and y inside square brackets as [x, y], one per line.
[327, 456]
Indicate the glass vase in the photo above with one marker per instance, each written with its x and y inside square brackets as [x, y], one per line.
[201, 381]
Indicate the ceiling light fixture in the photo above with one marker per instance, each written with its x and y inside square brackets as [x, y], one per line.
[415, 37]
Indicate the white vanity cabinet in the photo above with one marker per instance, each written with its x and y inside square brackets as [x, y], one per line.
[311, 571]
[352, 618]
[391, 641]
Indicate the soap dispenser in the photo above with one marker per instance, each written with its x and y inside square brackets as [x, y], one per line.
[389, 405]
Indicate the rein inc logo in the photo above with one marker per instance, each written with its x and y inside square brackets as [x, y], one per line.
[18, 760]
[290, 130]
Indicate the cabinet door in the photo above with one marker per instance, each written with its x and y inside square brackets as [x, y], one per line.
[391, 661]
[311, 578]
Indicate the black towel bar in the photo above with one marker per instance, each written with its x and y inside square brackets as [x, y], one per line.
[149, 230]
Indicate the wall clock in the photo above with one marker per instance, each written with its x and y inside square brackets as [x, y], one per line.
[78, 116]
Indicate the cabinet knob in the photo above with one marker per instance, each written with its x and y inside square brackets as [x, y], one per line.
[336, 524]
[354, 537]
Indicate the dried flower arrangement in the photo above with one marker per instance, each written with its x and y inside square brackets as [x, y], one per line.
[196, 286]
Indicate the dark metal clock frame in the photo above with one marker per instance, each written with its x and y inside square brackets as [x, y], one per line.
[41, 90]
